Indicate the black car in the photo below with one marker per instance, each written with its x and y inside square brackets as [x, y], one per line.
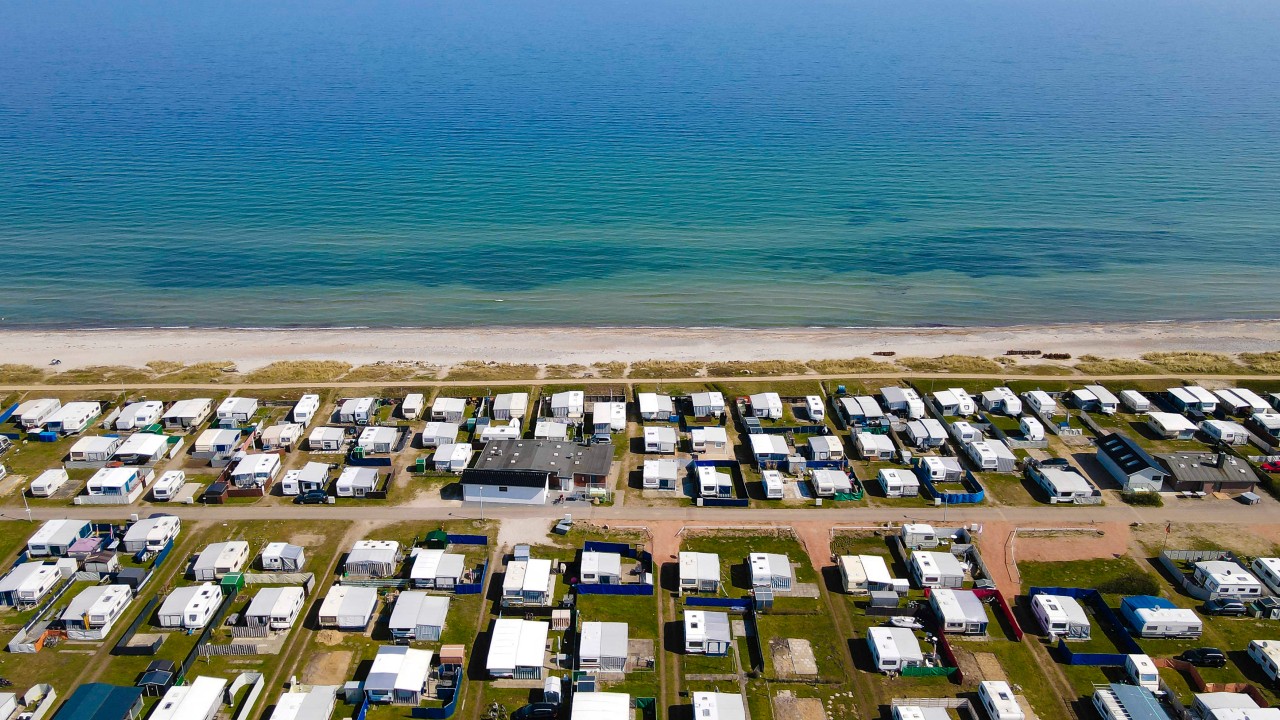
[537, 711]
[1205, 657]
[312, 497]
[1224, 606]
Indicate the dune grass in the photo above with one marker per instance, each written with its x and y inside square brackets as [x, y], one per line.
[1094, 365]
[12, 374]
[202, 372]
[662, 369]
[1038, 369]
[392, 372]
[101, 375]
[757, 367]
[575, 370]
[299, 371]
[965, 364]
[850, 366]
[1263, 362]
[1210, 363]
[482, 371]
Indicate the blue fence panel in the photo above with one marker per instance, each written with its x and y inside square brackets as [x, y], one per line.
[726, 502]
[797, 429]
[1124, 641]
[363, 711]
[596, 589]
[474, 588]
[164, 553]
[12, 435]
[828, 464]
[468, 539]
[369, 461]
[622, 549]
[8, 413]
[975, 494]
[739, 604]
[716, 463]
[1094, 659]
[44, 436]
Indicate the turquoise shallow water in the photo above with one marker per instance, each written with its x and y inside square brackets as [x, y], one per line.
[625, 163]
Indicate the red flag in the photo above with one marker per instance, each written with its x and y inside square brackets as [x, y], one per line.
[1168, 528]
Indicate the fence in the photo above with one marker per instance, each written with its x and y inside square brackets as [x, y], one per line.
[736, 604]
[203, 640]
[949, 654]
[1169, 559]
[246, 706]
[601, 589]
[368, 461]
[232, 650]
[723, 502]
[122, 646]
[974, 492]
[923, 671]
[627, 551]
[1005, 610]
[467, 539]
[8, 413]
[473, 588]
[1105, 615]
[363, 711]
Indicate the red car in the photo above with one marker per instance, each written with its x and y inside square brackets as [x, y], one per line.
[1271, 467]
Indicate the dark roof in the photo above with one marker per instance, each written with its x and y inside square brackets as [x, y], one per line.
[1209, 469]
[162, 665]
[100, 701]
[562, 458]
[1127, 454]
[518, 478]
[1138, 703]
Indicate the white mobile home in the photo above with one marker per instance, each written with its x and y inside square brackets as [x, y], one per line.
[186, 414]
[138, 415]
[926, 434]
[898, 483]
[1060, 481]
[151, 534]
[55, 537]
[357, 411]
[707, 632]
[220, 559]
[1103, 400]
[1061, 616]
[373, 558]
[770, 570]
[281, 437]
[1002, 400]
[528, 583]
[1135, 401]
[314, 704]
[861, 574]
[954, 401]
[32, 413]
[348, 607]
[903, 401]
[216, 442]
[1032, 429]
[434, 568]
[1225, 432]
[1267, 654]
[452, 457]
[998, 700]
[603, 647]
[660, 439]
[708, 439]
[918, 535]
[655, 407]
[609, 417]
[893, 648]
[500, 432]
[124, 484]
[601, 568]
[1156, 617]
[49, 482]
[570, 404]
[190, 607]
[1193, 397]
[699, 572]
[93, 449]
[1267, 570]
[312, 476]
[91, 614]
[769, 450]
[412, 406]
[827, 483]
[707, 404]
[815, 408]
[72, 418]
[719, 706]
[142, 449]
[236, 411]
[1224, 578]
[935, 569]
[305, 410]
[510, 406]
[965, 432]
[418, 616]
[660, 474]
[1041, 402]
[448, 409]
[283, 557]
[398, 675]
[326, 439]
[1171, 426]
[256, 471]
[773, 484]
[1243, 401]
[826, 447]
[1142, 672]
[860, 410]
[959, 612]
[875, 447]
[713, 483]
[766, 405]
[377, 440]
[517, 648]
[546, 429]
[199, 700]
[28, 583]
[356, 481]
[276, 608]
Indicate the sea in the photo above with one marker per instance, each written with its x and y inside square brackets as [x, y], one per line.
[741, 163]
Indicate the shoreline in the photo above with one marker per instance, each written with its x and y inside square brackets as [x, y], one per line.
[250, 349]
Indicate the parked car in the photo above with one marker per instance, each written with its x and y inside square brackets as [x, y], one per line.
[312, 497]
[537, 711]
[1271, 467]
[1205, 657]
[1224, 606]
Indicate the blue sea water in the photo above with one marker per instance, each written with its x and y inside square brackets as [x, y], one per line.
[665, 162]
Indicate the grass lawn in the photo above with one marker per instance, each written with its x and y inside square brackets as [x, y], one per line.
[1078, 573]
[1022, 669]
[823, 638]
[733, 548]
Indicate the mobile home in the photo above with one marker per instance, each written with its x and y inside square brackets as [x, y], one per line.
[28, 583]
[377, 440]
[91, 614]
[1135, 401]
[356, 481]
[1041, 402]
[654, 406]
[998, 700]
[1061, 616]
[960, 612]
[546, 429]
[1267, 654]
[699, 572]
[236, 411]
[326, 439]
[708, 439]
[875, 447]
[412, 406]
[707, 632]
[190, 607]
[138, 415]
[1002, 400]
[568, 404]
[256, 471]
[773, 484]
[283, 557]
[452, 457]
[1193, 397]
[72, 418]
[312, 476]
[357, 411]
[276, 608]
[93, 449]
[935, 569]
[418, 616]
[825, 447]
[894, 648]
[707, 404]
[306, 408]
[398, 675]
[954, 401]
[348, 607]
[186, 414]
[660, 474]
[609, 417]
[1156, 617]
[151, 534]
[199, 700]
[965, 432]
[281, 437]
[1224, 578]
[602, 647]
[1171, 426]
[770, 570]
[1225, 432]
[32, 413]
[828, 483]
[142, 449]
[49, 482]
[528, 583]
[660, 439]
[373, 558]
[517, 648]
[220, 559]
[436, 569]
[600, 568]
[1032, 429]
[903, 401]
[448, 409]
[510, 406]
[926, 434]
[124, 484]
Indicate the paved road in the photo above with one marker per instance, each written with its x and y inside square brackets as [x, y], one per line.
[116, 387]
[1179, 511]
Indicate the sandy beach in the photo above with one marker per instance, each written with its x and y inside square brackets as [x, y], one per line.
[250, 349]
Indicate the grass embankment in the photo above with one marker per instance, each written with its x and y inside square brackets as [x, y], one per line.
[482, 371]
[299, 371]
[659, 369]
[392, 372]
[1094, 365]
[851, 366]
[758, 367]
[1209, 363]
[970, 364]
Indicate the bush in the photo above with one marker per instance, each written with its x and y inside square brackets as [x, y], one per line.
[1144, 499]
[1138, 583]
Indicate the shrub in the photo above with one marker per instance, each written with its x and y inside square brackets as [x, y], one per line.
[1138, 583]
[1144, 499]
